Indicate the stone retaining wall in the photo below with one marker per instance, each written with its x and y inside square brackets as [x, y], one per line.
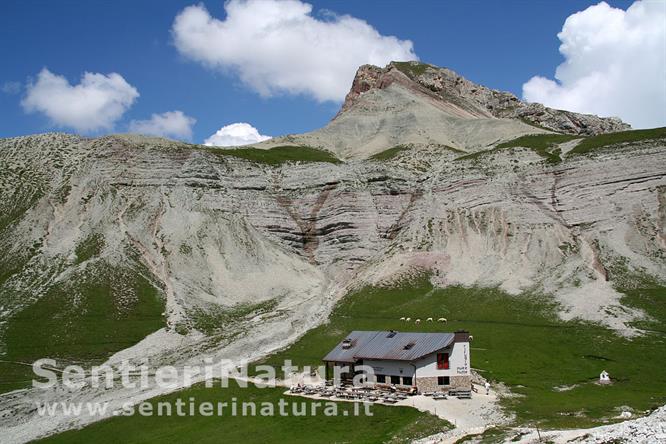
[429, 384]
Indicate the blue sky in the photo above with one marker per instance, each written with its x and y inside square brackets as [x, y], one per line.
[499, 44]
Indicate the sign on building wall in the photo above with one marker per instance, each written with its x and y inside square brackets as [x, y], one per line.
[463, 369]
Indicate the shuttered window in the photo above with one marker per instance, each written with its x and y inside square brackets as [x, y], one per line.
[443, 361]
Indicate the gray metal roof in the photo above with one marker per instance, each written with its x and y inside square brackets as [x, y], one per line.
[378, 345]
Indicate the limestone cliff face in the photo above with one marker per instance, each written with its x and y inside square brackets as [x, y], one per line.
[215, 229]
[411, 103]
[446, 86]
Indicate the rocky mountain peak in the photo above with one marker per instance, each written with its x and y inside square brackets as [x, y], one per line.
[468, 99]
[419, 105]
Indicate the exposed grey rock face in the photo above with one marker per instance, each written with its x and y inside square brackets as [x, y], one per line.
[448, 86]
[221, 230]
[649, 429]
[410, 103]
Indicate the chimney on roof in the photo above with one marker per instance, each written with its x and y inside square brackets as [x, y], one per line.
[461, 336]
[347, 344]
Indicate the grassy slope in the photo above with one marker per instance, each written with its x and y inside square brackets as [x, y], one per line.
[519, 341]
[393, 152]
[389, 153]
[89, 248]
[541, 144]
[214, 319]
[84, 320]
[385, 423]
[277, 155]
[596, 142]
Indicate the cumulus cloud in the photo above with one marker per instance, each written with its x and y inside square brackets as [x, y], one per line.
[615, 64]
[169, 124]
[280, 47]
[96, 103]
[235, 134]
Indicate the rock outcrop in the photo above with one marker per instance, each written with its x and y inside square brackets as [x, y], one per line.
[446, 85]
[648, 429]
[411, 103]
[208, 226]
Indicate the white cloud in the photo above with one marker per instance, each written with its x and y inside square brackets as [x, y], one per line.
[615, 64]
[169, 124]
[97, 102]
[235, 134]
[279, 47]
